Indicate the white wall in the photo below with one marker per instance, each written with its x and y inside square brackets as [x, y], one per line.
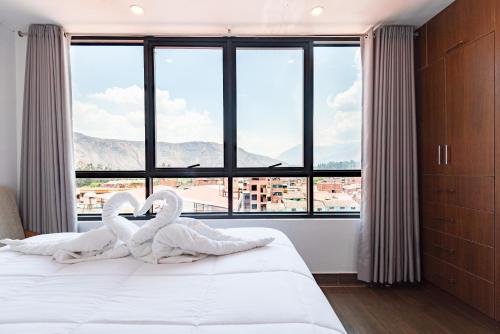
[326, 245]
[8, 116]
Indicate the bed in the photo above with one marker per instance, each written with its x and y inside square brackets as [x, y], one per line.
[265, 290]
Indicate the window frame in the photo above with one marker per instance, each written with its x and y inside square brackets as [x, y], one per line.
[230, 170]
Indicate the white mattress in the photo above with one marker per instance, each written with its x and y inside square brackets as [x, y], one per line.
[266, 290]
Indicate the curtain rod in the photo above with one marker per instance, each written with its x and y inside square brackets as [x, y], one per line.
[228, 34]
[66, 34]
[24, 34]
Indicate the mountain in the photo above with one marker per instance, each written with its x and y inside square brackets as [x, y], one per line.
[93, 153]
[324, 154]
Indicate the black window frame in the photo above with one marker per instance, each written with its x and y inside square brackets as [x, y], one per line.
[230, 169]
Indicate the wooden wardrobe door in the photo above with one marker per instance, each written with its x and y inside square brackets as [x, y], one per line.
[470, 108]
[443, 32]
[432, 117]
[421, 47]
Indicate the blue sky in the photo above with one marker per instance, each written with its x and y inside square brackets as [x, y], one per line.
[108, 95]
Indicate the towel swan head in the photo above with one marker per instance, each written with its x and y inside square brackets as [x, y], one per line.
[171, 209]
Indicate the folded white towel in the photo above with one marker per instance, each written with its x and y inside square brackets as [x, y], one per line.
[85, 244]
[189, 240]
[100, 243]
[163, 239]
[141, 242]
[170, 239]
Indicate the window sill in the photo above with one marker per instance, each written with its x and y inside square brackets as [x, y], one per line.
[287, 216]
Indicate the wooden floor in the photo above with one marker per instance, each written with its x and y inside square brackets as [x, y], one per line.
[405, 310]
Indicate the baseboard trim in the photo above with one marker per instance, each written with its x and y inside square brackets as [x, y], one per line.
[338, 279]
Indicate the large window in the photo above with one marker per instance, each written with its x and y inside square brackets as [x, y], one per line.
[108, 107]
[238, 127]
[270, 106]
[337, 108]
[189, 107]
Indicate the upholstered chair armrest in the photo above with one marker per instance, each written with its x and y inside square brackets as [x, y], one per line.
[10, 222]
[28, 234]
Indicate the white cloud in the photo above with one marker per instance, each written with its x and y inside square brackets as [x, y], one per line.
[342, 123]
[165, 103]
[345, 127]
[90, 119]
[118, 113]
[132, 96]
[348, 100]
[187, 126]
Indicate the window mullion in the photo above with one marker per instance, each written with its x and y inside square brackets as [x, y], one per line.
[230, 126]
[149, 107]
[308, 120]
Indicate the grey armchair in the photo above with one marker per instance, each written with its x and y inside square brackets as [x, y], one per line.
[10, 222]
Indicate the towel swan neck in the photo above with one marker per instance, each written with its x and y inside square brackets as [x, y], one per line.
[113, 205]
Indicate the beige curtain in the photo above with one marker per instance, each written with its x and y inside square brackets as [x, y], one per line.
[389, 250]
[47, 174]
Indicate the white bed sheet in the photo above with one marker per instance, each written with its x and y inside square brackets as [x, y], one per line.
[265, 290]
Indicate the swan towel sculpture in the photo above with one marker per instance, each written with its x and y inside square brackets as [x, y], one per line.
[167, 238]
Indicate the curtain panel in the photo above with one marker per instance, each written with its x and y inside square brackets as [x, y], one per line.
[47, 174]
[389, 249]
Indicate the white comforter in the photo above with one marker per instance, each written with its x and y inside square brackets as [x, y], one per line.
[264, 290]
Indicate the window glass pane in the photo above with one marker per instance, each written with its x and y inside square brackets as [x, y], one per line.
[337, 108]
[200, 195]
[337, 194]
[189, 107]
[91, 194]
[270, 106]
[108, 107]
[270, 194]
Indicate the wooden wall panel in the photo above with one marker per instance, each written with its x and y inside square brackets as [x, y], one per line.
[497, 162]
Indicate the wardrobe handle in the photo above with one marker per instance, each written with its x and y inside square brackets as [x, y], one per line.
[446, 154]
[439, 155]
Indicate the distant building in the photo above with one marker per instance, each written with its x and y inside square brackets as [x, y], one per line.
[329, 185]
[271, 194]
[339, 194]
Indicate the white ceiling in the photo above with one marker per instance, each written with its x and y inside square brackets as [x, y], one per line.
[214, 17]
